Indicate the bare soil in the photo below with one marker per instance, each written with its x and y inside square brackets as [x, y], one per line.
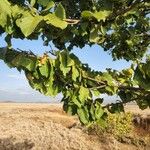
[26, 126]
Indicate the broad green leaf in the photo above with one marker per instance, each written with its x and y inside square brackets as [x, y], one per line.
[19, 60]
[36, 84]
[52, 90]
[55, 21]
[70, 61]
[111, 90]
[63, 63]
[98, 110]
[5, 12]
[28, 23]
[5, 16]
[36, 74]
[94, 35]
[44, 69]
[83, 94]
[50, 5]
[75, 100]
[142, 79]
[75, 73]
[92, 112]
[25, 62]
[60, 12]
[83, 115]
[102, 15]
[17, 11]
[87, 14]
[107, 77]
[96, 92]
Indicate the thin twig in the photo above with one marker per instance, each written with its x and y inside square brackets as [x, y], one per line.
[72, 21]
[98, 87]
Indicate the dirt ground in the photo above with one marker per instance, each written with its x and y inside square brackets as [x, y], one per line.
[25, 126]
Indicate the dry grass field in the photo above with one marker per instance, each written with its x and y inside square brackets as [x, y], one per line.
[25, 126]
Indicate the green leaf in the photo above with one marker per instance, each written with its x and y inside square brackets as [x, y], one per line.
[35, 84]
[98, 110]
[63, 63]
[87, 14]
[36, 75]
[60, 12]
[83, 94]
[102, 15]
[19, 60]
[6, 17]
[44, 69]
[94, 36]
[28, 23]
[96, 92]
[50, 5]
[142, 79]
[92, 112]
[70, 61]
[26, 62]
[55, 21]
[5, 12]
[108, 77]
[111, 89]
[17, 11]
[83, 115]
[52, 90]
[75, 100]
[75, 73]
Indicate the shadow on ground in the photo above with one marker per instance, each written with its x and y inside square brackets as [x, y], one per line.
[10, 144]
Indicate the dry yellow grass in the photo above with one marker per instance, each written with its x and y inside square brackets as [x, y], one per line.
[25, 126]
[40, 127]
[135, 109]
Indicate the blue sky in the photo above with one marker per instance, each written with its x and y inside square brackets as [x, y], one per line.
[14, 86]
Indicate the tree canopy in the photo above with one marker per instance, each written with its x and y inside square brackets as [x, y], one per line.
[120, 27]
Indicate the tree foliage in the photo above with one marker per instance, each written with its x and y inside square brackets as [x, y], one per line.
[121, 27]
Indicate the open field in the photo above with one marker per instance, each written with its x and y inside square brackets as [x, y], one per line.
[134, 109]
[46, 127]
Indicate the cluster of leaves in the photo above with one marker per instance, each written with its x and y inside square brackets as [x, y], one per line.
[78, 83]
[122, 27]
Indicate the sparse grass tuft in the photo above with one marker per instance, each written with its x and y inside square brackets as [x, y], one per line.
[120, 127]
